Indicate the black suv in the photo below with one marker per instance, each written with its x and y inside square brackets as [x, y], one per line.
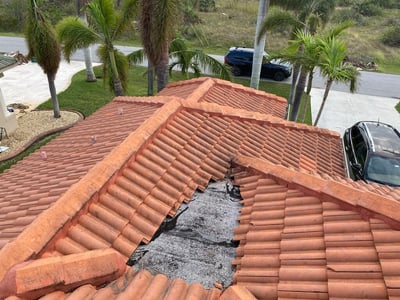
[373, 152]
[241, 61]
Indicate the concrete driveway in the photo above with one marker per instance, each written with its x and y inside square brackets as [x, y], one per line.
[343, 109]
[27, 84]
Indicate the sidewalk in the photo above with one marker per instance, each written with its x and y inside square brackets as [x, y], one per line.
[27, 84]
[342, 109]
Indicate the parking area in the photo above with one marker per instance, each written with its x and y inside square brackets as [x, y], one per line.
[343, 109]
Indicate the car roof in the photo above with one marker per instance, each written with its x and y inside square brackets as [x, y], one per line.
[244, 49]
[384, 137]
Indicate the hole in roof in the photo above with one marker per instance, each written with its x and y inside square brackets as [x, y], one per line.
[196, 244]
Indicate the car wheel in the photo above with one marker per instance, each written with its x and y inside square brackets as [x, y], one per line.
[279, 76]
[236, 71]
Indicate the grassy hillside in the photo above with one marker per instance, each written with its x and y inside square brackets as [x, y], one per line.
[233, 24]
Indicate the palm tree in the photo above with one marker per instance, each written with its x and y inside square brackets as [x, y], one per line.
[259, 44]
[332, 65]
[305, 14]
[157, 28]
[187, 60]
[80, 12]
[104, 27]
[195, 60]
[44, 46]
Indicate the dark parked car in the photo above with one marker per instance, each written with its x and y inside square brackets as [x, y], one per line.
[241, 61]
[373, 152]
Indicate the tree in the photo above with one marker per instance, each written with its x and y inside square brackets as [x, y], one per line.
[304, 14]
[44, 46]
[157, 29]
[105, 26]
[187, 60]
[332, 65]
[80, 12]
[195, 60]
[259, 44]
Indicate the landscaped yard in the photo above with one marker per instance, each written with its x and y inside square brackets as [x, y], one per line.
[87, 97]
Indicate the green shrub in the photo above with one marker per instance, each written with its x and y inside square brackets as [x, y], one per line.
[207, 5]
[368, 8]
[347, 14]
[391, 37]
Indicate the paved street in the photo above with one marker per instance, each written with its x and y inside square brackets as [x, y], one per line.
[375, 99]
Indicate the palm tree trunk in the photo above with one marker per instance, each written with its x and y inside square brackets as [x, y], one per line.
[118, 90]
[310, 81]
[301, 84]
[53, 94]
[90, 76]
[259, 45]
[327, 89]
[295, 79]
[150, 79]
[308, 91]
[162, 71]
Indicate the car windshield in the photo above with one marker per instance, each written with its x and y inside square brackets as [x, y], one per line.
[384, 170]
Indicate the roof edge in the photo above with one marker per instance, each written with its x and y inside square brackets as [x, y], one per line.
[214, 108]
[364, 202]
[52, 221]
[147, 99]
[207, 82]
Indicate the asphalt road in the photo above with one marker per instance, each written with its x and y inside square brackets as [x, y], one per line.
[370, 83]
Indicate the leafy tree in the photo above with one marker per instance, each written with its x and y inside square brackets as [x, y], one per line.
[104, 26]
[44, 46]
[80, 12]
[332, 65]
[157, 28]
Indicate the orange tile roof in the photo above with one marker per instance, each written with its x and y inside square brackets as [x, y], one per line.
[306, 237]
[117, 189]
[225, 93]
[36, 182]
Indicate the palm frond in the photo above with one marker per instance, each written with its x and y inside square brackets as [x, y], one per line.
[101, 15]
[278, 18]
[164, 19]
[128, 10]
[75, 34]
[42, 40]
[136, 57]
[122, 63]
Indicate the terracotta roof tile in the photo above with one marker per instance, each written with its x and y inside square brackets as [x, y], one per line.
[323, 240]
[228, 94]
[299, 213]
[69, 157]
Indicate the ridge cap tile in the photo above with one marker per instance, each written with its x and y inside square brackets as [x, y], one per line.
[149, 99]
[28, 244]
[366, 203]
[35, 278]
[256, 116]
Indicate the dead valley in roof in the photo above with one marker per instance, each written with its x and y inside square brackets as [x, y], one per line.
[297, 227]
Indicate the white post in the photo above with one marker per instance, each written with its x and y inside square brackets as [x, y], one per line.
[8, 119]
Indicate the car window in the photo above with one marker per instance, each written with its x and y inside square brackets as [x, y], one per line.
[383, 169]
[244, 58]
[359, 147]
